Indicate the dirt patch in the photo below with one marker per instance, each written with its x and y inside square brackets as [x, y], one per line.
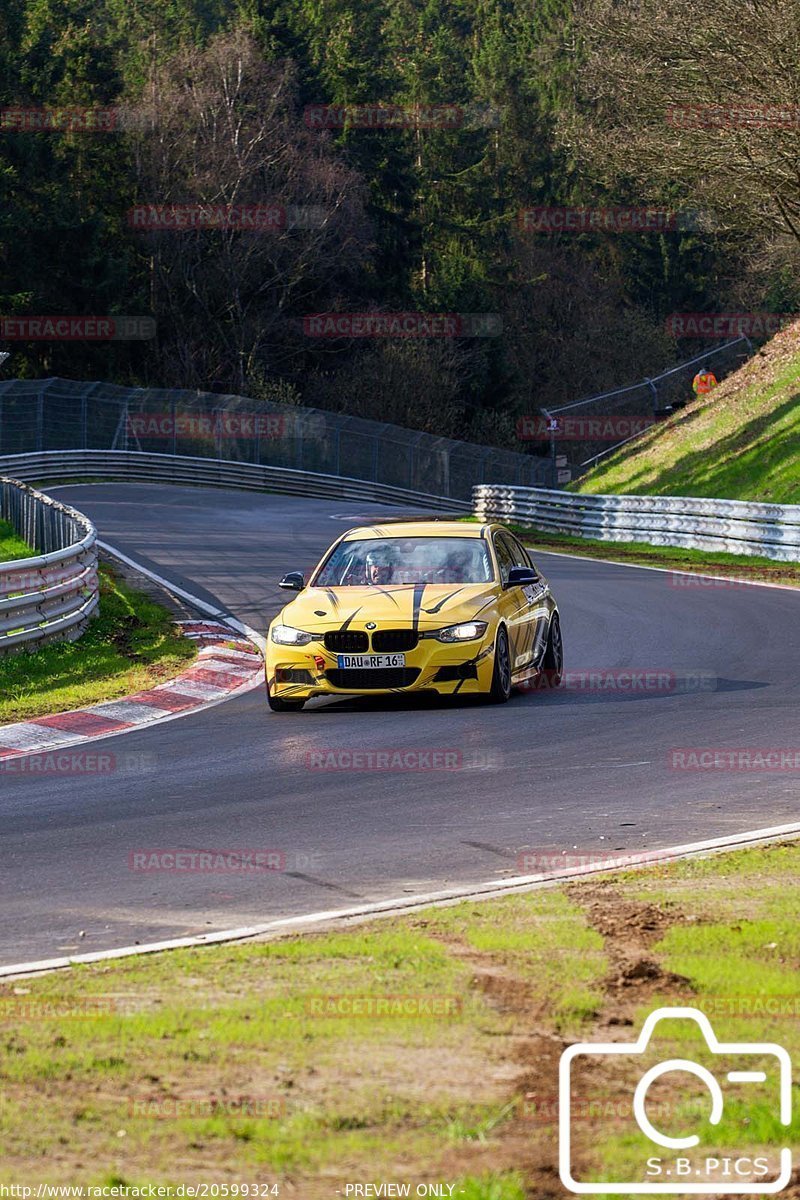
[122, 639]
[629, 928]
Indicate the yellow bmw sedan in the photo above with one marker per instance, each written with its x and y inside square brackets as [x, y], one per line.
[415, 606]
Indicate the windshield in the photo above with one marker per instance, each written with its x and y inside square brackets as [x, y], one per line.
[380, 561]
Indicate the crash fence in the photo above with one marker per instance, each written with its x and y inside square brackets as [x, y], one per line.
[733, 526]
[52, 594]
[41, 415]
[56, 466]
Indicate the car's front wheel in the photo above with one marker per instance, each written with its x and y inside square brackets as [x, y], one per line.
[500, 690]
[283, 706]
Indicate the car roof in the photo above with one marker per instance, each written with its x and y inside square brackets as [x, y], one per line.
[430, 528]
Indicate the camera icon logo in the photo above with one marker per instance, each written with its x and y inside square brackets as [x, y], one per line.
[686, 1162]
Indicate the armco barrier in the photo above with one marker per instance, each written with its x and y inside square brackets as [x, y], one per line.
[136, 466]
[51, 596]
[738, 527]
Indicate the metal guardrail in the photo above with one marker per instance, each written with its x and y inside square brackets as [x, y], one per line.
[52, 595]
[137, 466]
[738, 527]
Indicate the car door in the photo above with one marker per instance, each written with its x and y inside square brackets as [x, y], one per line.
[534, 618]
[513, 604]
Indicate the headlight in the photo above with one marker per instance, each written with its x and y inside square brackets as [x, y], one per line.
[286, 635]
[462, 633]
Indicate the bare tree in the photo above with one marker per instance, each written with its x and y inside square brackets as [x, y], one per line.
[569, 331]
[221, 127]
[694, 99]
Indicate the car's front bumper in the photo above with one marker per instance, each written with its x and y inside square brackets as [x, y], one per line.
[298, 673]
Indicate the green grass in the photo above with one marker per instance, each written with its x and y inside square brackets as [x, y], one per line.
[557, 953]
[359, 1094]
[390, 1098]
[12, 547]
[738, 443]
[132, 644]
[740, 956]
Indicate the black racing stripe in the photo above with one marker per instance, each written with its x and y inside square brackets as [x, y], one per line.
[419, 592]
[384, 592]
[350, 618]
[332, 597]
[444, 600]
[471, 662]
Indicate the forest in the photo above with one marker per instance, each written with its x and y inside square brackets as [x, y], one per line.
[504, 202]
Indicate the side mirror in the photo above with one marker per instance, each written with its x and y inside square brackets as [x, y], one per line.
[521, 577]
[293, 582]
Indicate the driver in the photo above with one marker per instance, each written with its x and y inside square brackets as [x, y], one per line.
[378, 568]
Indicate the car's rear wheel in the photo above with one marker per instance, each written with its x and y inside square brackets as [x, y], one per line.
[553, 660]
[500, 690]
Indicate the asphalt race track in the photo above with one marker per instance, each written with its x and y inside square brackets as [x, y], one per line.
[578, 770]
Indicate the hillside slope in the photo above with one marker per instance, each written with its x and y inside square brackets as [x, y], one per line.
[742, 442]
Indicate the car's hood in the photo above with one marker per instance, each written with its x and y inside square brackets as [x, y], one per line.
[428, 605]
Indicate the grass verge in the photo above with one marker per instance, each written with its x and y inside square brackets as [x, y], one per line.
[12, 547]
[739, 442]
[290, 1063]
[133, 644]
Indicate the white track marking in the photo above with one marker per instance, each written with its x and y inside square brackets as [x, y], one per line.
[614, 562]
[411, 903]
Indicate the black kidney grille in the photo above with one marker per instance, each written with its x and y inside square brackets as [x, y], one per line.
[368, 680]
[394, 640]
[347, 641]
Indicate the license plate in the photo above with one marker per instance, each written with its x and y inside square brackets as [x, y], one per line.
[369, 662]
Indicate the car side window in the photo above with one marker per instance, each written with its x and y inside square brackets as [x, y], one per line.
[517, 551]
[505, 559]
[521, 556]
